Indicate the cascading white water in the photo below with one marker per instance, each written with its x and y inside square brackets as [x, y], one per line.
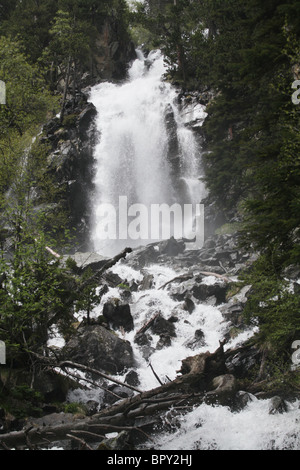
[133, 160]
[205, 427]
[133, 156]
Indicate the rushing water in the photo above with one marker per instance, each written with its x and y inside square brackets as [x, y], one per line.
[205, 427]
[133, 159]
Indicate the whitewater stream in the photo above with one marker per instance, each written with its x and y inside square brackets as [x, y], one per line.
[133, 160]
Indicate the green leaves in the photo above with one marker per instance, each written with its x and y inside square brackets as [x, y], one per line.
[27, 103]
[33, 289]
[69, 36]
[275, 304]
[248, 54]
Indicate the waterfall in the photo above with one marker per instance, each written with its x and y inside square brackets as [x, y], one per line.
[146, 155]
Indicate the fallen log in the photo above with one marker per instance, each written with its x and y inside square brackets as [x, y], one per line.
[74, 365]
[182, 278]
[98, 274]
[219, 276]
[184, 391]
[187, 277]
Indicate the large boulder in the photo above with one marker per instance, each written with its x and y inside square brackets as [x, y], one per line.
[171, 247]
[118, 315]
[99, 348]
[203, 292]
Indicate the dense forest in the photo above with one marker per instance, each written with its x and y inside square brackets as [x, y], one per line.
[246, 54]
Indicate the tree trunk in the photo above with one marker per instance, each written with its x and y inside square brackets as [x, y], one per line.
[65, 90]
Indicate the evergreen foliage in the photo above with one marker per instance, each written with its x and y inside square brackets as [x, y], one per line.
[40, 43]
[248, 55]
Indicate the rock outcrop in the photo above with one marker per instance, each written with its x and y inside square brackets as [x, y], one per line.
[99, 348]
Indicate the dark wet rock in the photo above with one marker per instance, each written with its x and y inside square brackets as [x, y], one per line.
[70, 162]
[147, 282]
[85, 119]
[181, 291]
[112, 279]
[189, 305]
[242, 399]
[242, 361]
[144, 341]
[173, 143]
[132, 378]
[171, 247]
[118, 315]
[196, 342]
[233, 313]
[142, 257]
[161, 326]
[203, 291]
[91, 407]
[96, 347]
[54, 387]
[277, 405]
[173, 319]
[164, 342]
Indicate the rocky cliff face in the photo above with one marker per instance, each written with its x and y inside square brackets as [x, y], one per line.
[70, 161]
[71, 142]
[112, 53]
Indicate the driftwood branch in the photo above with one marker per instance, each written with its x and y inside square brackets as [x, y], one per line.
[81, 441]
[186, 390]
[186, 277]
[98, 274]
[147, 325]
[219, 276]
[155, 374]
[73, 365]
